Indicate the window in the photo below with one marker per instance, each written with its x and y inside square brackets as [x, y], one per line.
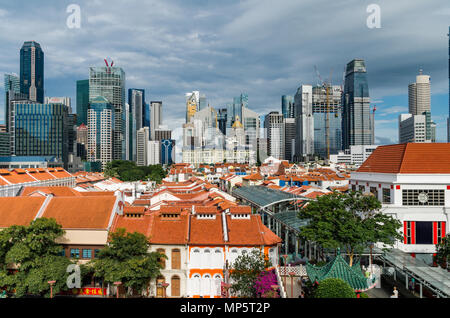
[424, 232]
[175, 286]
[87, 253]
[62, 252]
[386, 195]
[96, 252]
[374, 191]
[176, 259]
[423, 197]
[75, 253]
[162, 260]
[361, 188]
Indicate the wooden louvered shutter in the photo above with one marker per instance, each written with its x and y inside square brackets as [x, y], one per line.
[176, 259]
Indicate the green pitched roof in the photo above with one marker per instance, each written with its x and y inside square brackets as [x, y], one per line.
[339, 268]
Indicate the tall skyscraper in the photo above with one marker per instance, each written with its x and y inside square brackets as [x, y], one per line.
[357, 127]
[155, 117]
[235, 109]
[289, 138]
[287, 106]
[202, 102]
[304, 122]
[417, 126]
[41, 130]
[167, 151]
[222, 120]
[32, 71]
[192, 104]
[275, 134]
[327, 112]
[142, 146]
[82, 101]
[136, 101]
[109, 82]
[419, 95]
[100, 130]
[12, 88]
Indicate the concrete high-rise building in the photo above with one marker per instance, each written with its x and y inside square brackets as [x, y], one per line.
[275, 134]
[136, 117]
[287, 106]
[327, 112]
[82, 141]
[357, 120]
[202, 102]
[192, 104]
[109, 82]
[154, 152]
[82, 101]
[419, 95]
[155, 117]
[60, 100]
[100, 130]
[163, 133]
[222, 120]
[304, 121]
[142, 146]
[32, 71]
[417, 126]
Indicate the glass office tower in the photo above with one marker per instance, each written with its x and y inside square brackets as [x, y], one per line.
[357, 128]
[109, 82]
[41, 130]
[287, 106]
[136, 100]
[82, 101]
[12, 87]
[32, 71]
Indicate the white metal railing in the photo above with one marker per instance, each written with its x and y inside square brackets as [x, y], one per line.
[280, 282]
[299, 270]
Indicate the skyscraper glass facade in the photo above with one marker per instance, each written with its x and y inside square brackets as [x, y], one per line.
[41, 130]
[82, 101]
[12, 87]
[287, 106]
[136, 101]
[109, 82]
[32, 71]
[357, 128]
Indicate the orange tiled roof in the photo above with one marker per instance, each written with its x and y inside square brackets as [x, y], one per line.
[81, 212]
[56, 191]
[422, 158]
[19, 210]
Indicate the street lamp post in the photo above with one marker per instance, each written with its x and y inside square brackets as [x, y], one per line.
[51, 282]
[117, 284]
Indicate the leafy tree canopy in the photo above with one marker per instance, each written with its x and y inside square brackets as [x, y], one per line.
[126, 259]
[443, 251]
[245, 271]
[334, 288]
[33, 250]
[352, 221]
[129, 171]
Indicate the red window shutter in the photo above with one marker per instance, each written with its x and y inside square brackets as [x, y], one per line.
[392, 187]
[413, 232]
[443, 224]
[397, 187]
[435, 231]
[405, 232]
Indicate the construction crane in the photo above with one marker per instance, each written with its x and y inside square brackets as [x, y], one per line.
[327, 86]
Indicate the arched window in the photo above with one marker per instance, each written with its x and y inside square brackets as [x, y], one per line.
[175, 286]
[162, 260]
[218, 258]
[195, 258]
[176, 259]
[206, 285]
[159, 288]
[206, 259]
[217, 281]
[233, 256]
[195, 284]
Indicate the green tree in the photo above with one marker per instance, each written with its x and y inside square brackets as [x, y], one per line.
[334, 288]
[351, 221]
[244, 272]
[126, 259]
[443, 252]
[128, 171]
[33, 249]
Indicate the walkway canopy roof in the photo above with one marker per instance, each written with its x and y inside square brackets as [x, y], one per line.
[261, 196]
[436, 278]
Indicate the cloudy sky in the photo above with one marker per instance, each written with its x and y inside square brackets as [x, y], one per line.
[222, 48]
